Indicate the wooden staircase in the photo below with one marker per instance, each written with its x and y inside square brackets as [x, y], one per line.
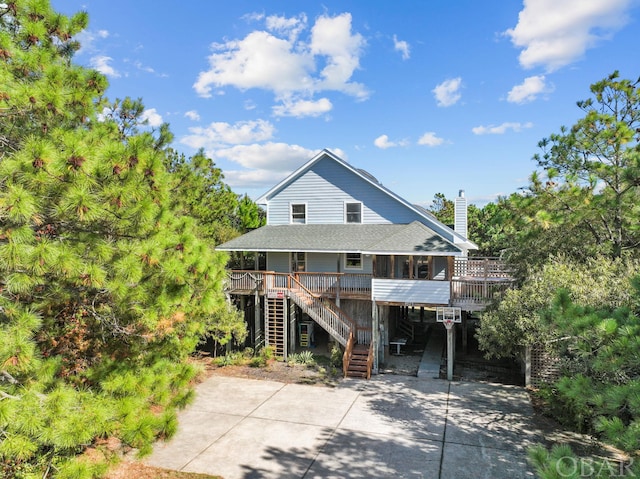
[406, 329]
[323, 311]
[357, 359]
[359, 363]
[274, 328]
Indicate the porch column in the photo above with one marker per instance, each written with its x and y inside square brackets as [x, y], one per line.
[393, 266]
[292, 325]
[285, 325]
[451, 342]
[375, 334]
[256, 315]
[464, 331]
[411, 275]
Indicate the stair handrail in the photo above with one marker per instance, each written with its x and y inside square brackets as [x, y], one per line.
[370, 360]
[327, 306]
[348, 352]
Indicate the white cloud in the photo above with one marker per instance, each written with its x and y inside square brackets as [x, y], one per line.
[192, 115]
[260, 60]
[303, 108]
[253, 17]
[383, 142]
[430, 139]
[266, 164]
[448, 93]
[331, 38]
[277, 60]
[88, 38]
[291, 27]
[101, 63]
[500, 129]
[402, 47]
[221, 134]
[528, 90]
[152, 116]
[270, 156]
[250, 179]
[554, 33]
[140, 66]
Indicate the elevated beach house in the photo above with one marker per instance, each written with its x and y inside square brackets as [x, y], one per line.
[343, 253]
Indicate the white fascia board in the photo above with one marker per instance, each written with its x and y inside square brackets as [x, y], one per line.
[414, 253]
[380, 253]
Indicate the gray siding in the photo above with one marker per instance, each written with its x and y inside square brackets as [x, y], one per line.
[325, 188]
[322, 262]
[317, 263]
[278, 262]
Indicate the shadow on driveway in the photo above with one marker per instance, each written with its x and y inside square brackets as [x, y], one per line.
[390, 426]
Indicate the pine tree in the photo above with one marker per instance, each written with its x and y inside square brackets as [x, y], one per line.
[200, 192]
[105, 288]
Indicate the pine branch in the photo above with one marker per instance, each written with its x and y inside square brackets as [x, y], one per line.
[5, 376]
[4, 395]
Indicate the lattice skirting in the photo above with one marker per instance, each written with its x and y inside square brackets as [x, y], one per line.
[544, 367]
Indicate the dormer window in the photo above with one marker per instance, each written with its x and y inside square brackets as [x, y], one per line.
[299, 213]
[353, 212]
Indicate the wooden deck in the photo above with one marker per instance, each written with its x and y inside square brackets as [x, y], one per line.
[474, 283]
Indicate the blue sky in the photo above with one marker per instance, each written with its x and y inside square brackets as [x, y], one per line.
[428, 96]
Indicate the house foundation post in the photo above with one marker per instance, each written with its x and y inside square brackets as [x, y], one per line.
[285, 325]
[292, 325]
[375, 335]
[257, 334]
[464, 331]
[527, 366]
[450, 353]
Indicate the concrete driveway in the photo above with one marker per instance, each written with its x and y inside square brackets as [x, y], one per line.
[390, 426]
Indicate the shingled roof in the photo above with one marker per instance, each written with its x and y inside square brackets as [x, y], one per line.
[399, 239]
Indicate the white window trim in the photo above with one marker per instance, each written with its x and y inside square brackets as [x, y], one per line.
[345, 211]
[353, 268]
[306, 212]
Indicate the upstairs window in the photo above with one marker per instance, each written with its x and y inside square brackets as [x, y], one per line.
[353, 212]
[299, 213]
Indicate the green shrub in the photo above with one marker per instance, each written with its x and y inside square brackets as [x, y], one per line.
[305, 358]
[336, 357]
[258, 362]
[267, 353]
[562, 463]
[229, 359]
